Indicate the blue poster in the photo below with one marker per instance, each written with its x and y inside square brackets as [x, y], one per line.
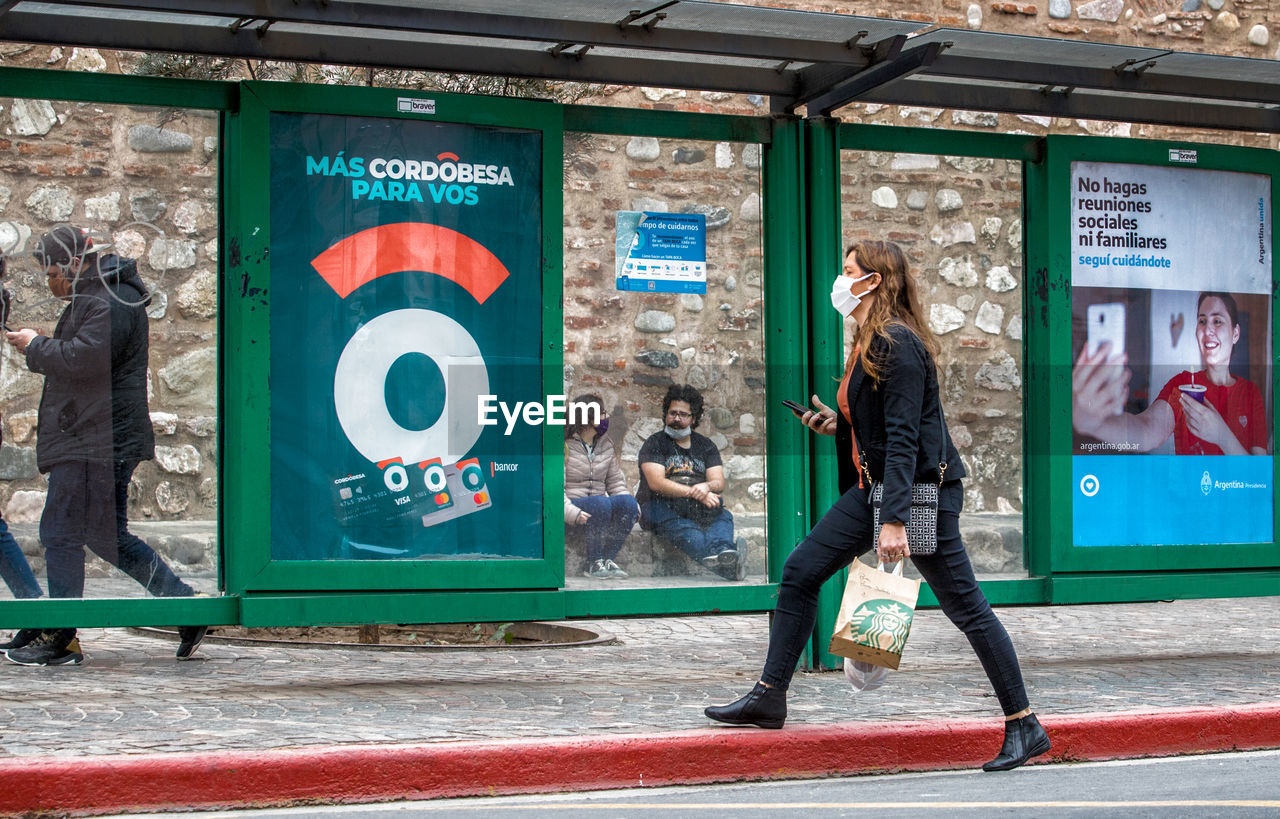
[661, 252]
[1171, 500]
[1171, 290]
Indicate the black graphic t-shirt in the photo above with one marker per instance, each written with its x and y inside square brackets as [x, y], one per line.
[686, 466]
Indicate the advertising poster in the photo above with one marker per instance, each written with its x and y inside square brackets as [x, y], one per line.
[406, 290]
[661, 252]
[1172, 348]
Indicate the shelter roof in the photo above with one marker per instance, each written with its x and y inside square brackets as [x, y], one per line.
[821, 61]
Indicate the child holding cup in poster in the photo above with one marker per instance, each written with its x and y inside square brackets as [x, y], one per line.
[1208, 412]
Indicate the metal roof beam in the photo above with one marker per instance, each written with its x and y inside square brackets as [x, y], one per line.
[452, 17]
[820, 78]
[1103, 78]
[1077, 104]
[894, 68]
[290, 42]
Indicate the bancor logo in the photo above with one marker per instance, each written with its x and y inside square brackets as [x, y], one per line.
[359, 382]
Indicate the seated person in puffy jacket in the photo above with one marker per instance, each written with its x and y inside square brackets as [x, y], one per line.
[595, 494]
[681, 478]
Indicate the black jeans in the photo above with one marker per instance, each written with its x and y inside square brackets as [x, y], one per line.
[87, 505]
[844, 533]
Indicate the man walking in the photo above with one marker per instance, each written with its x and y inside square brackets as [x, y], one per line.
[93, 429]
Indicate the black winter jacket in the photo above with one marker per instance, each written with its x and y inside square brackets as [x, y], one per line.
[898, 423]
[94, 403]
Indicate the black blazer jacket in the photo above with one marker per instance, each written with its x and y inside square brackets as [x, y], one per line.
[898, 424]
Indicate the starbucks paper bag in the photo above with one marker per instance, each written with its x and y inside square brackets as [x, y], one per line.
[875, 615]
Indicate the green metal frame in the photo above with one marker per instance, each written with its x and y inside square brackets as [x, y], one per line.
[331, 591]
[802, 248]
[1118, 572]
[250, 568]
[784, 315]
[261, 591]
[78, 86]
[140, 91]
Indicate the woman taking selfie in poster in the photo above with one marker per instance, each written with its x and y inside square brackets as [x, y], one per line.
[890, 428]
[1208, 412]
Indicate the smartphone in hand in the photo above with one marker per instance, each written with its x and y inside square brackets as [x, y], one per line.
[1105, 323]
[798, 409]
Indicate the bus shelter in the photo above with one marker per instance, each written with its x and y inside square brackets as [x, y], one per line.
[404, 284]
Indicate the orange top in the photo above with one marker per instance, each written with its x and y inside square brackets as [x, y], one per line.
[842, 401]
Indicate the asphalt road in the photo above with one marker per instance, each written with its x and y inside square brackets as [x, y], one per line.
[1214, 785]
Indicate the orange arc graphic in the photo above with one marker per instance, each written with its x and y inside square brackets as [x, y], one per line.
[402, 246]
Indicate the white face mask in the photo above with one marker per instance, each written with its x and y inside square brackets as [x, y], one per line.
[678, 433]
[842, 297]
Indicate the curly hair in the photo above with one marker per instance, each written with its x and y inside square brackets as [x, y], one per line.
[688, 394]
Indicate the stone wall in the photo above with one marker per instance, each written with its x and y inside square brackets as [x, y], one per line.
[629, 347]
[144, 179]
[1237, 27]
[959, 220]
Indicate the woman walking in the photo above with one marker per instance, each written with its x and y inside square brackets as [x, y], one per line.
[889, 428]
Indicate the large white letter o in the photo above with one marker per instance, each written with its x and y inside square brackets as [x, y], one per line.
[359, 387]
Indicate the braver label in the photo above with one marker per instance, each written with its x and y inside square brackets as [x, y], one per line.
[410, 105]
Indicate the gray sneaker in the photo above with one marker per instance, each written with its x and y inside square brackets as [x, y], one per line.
[598, 570]
[50, 648]
[731, 564]
[22, 637]
[615, 570]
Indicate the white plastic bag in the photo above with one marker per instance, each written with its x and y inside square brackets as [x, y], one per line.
[864, 676]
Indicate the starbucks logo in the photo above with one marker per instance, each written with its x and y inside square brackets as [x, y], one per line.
[883, 624]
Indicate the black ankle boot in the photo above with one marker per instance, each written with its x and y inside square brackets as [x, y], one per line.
[1023, 739]
[764, 707]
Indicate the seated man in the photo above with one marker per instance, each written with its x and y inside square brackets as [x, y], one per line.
[681, 478]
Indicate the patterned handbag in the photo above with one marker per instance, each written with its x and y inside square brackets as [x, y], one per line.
[922, 528]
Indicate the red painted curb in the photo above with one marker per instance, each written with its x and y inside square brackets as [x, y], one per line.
[88, 785]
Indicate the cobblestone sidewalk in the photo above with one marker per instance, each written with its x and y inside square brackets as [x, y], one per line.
[133, 697]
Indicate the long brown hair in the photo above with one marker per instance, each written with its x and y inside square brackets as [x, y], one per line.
[897, 301]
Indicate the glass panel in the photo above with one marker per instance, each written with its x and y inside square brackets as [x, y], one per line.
[642, 316]
[406, 260]
[959, 221]
[113, 408]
